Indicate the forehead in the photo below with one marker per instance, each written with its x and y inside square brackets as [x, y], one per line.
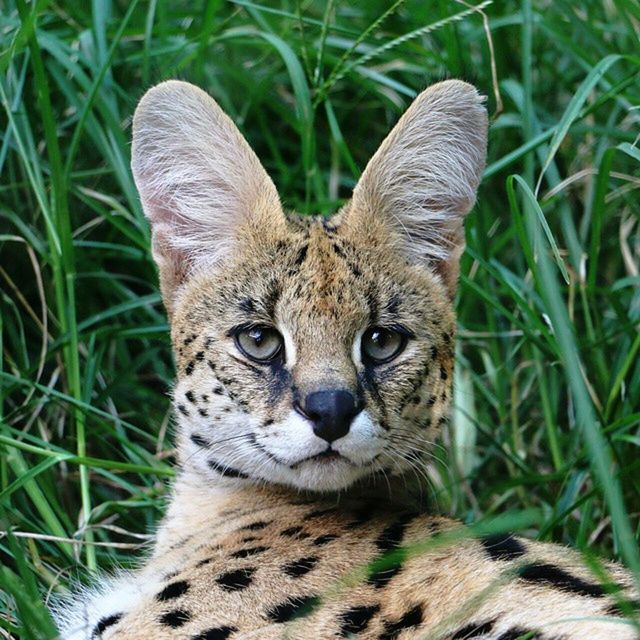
[312, 278]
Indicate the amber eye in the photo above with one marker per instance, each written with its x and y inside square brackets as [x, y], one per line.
[380, 345]
[261, 344]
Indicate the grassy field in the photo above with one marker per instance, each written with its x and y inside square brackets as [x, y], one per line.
[546, 424]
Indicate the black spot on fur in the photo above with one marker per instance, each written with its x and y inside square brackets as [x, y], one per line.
[473, 630]
[411, 618]
[292, 531]
[434, 352]
[183, 410]
[431, 401]
[357, 619]
[217, 633]
[320, 512]
[189, 396]
[392, 305]
[255, 526]
[247, 305]
[391, 537]
[302, 255]
[173, 590]
[226, 471]
[251, 551]
[105, 623]
[189, 368]
[236, 580]
[503, 547]
[200, 356]
[443, 373]
[175, 618]
[212, 365]
[556, 577]
[380, 578]
[325, 539]
[300, 567]
[293, 608]
[519, 632]
[199, 441]
[190, 339]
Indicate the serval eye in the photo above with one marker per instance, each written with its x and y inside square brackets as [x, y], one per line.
[261, 344]
[380, 345]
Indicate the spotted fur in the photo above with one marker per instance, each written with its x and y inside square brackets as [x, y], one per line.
[272, 532]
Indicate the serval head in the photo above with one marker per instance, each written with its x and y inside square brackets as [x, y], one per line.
[311, 352]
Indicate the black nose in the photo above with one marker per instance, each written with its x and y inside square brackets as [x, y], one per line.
[331, 413]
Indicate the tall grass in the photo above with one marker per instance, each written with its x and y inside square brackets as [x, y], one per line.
[547, 402]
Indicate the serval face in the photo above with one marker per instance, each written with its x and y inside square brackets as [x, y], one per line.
[311, 352]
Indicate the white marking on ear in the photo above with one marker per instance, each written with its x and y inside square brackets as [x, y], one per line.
[422, 180]
[199, 181]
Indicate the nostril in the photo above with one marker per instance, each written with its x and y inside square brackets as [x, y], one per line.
[331, 412]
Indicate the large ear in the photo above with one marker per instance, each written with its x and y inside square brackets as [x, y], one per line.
[199, 181]
[422, 181]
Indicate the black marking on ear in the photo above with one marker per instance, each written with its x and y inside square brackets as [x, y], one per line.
[175, 618]
[295, 607]
[559, 578]
[357, 619]
[183, 410]
[518, 632]
[190, 397]
[503, 547]
[325, 539]
[411, 618]
[105, 623]
[473, 630]
[217, 633]
[251, 551]
[255, 526]
[227, 472]
[247, 305]
[173, 590]
[189, 368]
[300, 567]
[236, 580]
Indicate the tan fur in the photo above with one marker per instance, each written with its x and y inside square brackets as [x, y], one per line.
[256, 528]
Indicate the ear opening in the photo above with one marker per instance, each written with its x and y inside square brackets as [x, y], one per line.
[199, 181]
[422, 181]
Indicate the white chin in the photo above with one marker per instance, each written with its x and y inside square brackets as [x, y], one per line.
[326, 475]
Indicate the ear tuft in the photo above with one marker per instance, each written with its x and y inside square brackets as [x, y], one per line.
[422, 181]
[198, 179]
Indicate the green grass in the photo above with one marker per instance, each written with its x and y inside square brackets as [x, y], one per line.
[547, 404]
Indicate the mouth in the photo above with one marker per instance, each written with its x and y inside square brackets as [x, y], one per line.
[328, 456]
